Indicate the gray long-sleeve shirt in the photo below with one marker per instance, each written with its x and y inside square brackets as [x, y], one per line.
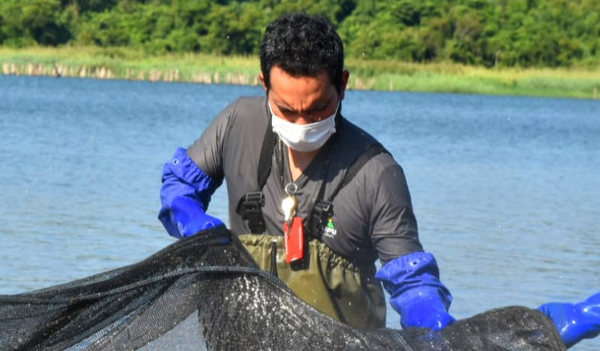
[372, 215]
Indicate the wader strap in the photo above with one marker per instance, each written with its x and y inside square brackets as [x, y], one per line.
[319, 216]
[250, 208]
[369, 153]
[266, 156]
[250, 205]
[323, 210]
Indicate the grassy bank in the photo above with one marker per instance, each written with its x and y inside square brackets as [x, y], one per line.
[121, 63]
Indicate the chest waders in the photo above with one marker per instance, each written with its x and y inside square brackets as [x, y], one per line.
[325, 280]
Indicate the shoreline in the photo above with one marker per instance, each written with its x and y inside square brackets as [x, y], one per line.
[121, 63]
[102, 72]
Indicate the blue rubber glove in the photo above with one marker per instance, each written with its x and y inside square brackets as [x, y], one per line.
[185, 194]
[189, 218]
[416, 291]
[575, 321]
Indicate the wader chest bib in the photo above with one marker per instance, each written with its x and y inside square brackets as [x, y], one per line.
[325, 280]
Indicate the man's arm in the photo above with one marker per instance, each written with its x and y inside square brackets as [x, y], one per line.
[185, 194]
[410, 275]
[191, 178]
[416, 291]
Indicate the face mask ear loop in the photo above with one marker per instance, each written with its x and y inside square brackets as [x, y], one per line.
[271, 114]
[338, 115]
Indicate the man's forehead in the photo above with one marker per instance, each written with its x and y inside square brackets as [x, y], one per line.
[283, 81]
[294, 96]
[278, 70]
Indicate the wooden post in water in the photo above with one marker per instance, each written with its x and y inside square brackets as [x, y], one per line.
[57, 70]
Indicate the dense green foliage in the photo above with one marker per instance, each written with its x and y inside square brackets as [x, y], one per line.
[526, 33]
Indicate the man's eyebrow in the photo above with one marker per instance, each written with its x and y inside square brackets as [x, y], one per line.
[319, 105]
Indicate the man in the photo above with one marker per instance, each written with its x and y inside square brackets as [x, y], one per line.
[315, 199]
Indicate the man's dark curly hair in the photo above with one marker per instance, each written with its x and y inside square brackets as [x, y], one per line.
[302, 45]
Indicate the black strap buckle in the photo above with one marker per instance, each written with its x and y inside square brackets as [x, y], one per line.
[320, 214]
[250, 208]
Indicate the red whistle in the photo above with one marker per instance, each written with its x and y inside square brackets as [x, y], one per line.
[294, 240]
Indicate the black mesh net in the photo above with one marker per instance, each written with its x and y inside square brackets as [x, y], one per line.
[201, 294]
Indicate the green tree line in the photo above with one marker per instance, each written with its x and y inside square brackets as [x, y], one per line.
[505, 33]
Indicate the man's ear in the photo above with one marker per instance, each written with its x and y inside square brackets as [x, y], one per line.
[345, 77]
[262, 79]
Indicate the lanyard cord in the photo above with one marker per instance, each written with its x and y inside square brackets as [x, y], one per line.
[329, 148]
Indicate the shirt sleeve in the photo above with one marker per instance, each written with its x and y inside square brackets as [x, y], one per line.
[394, 231]
[207, 151]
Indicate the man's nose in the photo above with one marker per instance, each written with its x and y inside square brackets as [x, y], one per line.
[306, 118]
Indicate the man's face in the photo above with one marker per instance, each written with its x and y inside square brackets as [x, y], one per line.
[303, 100]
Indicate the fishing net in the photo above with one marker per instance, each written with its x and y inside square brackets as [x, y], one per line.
[201, 294]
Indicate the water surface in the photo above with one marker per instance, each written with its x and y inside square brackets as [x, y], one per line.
[506, 189]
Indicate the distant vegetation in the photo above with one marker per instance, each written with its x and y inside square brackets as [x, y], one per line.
[393, 75]
[489, 33]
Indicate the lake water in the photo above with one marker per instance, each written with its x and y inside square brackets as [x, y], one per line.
[506, 189]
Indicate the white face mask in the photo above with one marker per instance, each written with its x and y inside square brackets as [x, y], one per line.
[304, 137]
